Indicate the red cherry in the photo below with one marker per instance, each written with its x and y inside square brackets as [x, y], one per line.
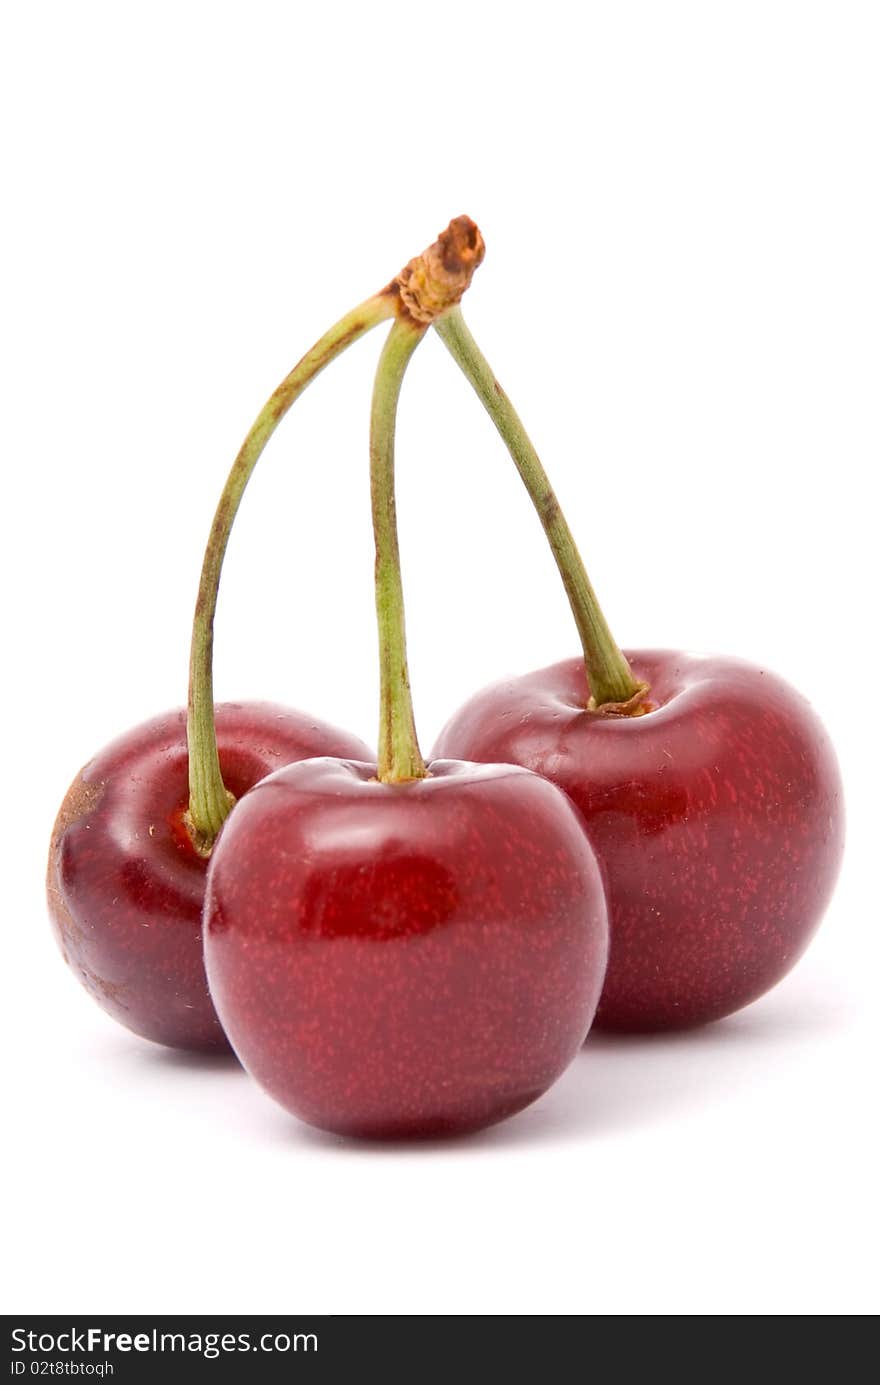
[405, 959]
[717, 817]
[125, 884]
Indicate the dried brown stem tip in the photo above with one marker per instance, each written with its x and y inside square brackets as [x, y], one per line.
[435, 280]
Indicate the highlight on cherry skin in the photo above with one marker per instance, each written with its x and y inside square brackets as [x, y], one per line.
[404, 959]
[125, 883]
[717, 816]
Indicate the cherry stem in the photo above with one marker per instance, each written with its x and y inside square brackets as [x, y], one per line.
[400, 759]
[209, 799]
[612, 683]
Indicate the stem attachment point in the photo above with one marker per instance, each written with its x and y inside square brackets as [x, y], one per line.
[635, 706]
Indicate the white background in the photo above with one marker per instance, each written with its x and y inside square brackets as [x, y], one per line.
[681, 294]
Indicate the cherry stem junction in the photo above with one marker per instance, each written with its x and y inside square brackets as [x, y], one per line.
[612, 684]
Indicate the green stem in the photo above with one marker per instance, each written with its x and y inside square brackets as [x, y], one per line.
[610, 677]
[209, 800]
[399, 756]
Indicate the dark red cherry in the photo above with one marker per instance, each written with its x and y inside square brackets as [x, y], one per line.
[406, 959]
[126, 886]
[717, 817]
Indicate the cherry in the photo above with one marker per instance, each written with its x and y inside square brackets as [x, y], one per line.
[126, 884]
[401, 949]
[716, 815]
[404, 959]
[709, 789]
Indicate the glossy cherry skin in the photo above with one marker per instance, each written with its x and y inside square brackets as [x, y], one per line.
[125, 886]
[405, 960]
[717, 818]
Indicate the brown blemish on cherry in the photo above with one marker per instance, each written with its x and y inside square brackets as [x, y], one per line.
[81, 799]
